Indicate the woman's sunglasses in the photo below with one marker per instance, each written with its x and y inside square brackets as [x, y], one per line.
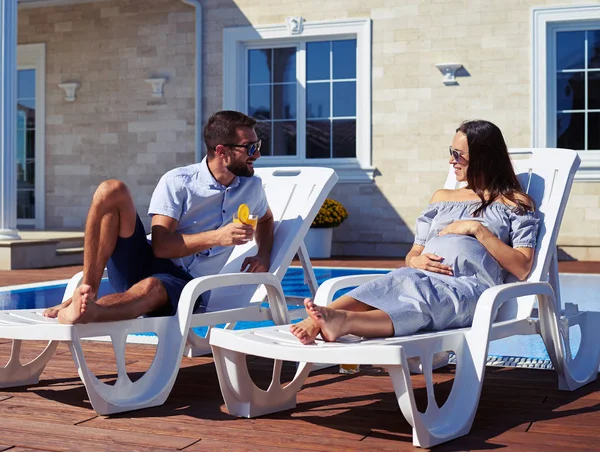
[251, 148]
[455, 154]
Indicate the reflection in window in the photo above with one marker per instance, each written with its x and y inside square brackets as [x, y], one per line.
[318, 139]
[594, 131]
[318, 100]
[26, 144]
[272, 93]
[578, 89]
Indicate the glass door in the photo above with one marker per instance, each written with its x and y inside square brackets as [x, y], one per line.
[26, 130]
[31, 131]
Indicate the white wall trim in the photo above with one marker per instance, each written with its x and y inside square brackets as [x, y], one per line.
[198, 138]
[237, 39]
[8, 121]
[33, 56]
[546, 21]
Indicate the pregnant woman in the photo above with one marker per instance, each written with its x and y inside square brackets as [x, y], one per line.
[467, 240]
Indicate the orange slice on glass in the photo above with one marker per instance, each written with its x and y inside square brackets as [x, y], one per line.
[243, 213]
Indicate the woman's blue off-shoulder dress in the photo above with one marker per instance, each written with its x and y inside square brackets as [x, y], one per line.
[423, 300]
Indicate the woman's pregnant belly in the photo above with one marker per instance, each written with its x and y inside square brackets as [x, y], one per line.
[466, 256]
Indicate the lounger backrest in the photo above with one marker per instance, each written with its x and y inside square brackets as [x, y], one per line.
[547, 176]
[295, 196]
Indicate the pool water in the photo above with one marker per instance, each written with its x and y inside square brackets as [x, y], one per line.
[38, 296]
[576, 288]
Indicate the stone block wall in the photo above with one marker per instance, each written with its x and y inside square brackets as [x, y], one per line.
[115, 128]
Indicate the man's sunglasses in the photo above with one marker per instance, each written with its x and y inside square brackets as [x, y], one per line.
[455, 154]
[251, 148]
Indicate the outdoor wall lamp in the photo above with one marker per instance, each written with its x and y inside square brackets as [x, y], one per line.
[70, 89]
[295, 25]
[157, 86]
[449, 71]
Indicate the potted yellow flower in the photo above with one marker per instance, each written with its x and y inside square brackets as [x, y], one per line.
[318, 240]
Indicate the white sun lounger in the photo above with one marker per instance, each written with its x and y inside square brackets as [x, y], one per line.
[294, 195]
[505, 310]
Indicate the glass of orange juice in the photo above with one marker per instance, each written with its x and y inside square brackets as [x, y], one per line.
[252, 220]
[349, 368]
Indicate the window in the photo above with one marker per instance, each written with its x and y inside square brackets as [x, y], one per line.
[308, 93]
[578, 89]
[329, 100]
[566, 83]
[31, 135]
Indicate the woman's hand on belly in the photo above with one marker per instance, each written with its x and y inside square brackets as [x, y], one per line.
[462, 227]
[430, 262]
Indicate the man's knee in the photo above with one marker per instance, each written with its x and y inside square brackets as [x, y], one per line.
[154, 287]
[150, 295]
[112, 190]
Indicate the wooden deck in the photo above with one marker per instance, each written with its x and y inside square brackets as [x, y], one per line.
[520, 409]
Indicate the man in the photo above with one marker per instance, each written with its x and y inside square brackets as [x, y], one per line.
[192, 230]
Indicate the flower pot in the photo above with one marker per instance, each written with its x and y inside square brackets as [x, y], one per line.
[318, 242]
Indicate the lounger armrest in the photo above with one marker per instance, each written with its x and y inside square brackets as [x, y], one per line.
[327, 290]
[275, 296]
[492, 299]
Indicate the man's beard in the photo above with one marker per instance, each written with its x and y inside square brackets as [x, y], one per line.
[241, 169]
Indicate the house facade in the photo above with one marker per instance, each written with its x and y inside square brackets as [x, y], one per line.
[109, 89]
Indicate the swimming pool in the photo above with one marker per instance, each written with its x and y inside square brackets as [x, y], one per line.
[577, 288]
[43, 295]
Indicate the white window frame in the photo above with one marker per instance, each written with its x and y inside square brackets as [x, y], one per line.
[236, 42]
[546, 23]
[33, 56]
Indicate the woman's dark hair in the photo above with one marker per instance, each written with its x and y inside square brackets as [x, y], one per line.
[221, 128]
[490, 167]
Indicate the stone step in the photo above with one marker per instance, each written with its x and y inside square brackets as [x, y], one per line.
[42, 249]
[69, 251]
[70, 242]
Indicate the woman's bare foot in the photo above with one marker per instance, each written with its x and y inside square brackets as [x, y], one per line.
[82, 309]
[332, 322]
[306, 331]
[53, 311]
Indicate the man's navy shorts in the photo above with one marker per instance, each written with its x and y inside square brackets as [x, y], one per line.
[133, 260]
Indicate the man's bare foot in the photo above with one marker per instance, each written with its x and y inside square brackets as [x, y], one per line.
[53, 311]
[306, 331]
[332, 322]
[82, 309]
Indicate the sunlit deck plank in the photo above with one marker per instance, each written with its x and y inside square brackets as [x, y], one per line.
[520, 409]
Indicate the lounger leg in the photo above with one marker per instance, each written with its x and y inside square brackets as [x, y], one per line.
[433, 426]
[17, 374]
[152, 389]
[439, 360]
[573, 373]
[197, 345]
[242, 397]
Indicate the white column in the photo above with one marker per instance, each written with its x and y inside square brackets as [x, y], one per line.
[8, 120]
